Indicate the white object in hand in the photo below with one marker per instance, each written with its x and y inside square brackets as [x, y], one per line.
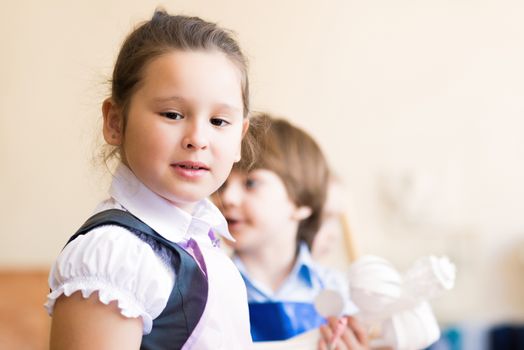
[329, 303]
[376, 287]
[429, 276]
[397, 305]
[414, 328]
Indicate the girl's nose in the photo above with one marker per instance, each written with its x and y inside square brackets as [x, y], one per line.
[195, 137]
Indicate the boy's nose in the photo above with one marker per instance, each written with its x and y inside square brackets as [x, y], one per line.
[230, 195]
[195, 137]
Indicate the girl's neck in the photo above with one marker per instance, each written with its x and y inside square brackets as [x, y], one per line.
[270, 266]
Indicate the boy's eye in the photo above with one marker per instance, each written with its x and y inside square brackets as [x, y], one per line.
[251, 183]
[172, 115]
[219, 122]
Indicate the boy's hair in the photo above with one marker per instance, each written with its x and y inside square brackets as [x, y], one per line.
[299, 162]
[165, 33]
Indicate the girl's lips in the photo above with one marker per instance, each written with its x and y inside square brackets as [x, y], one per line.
[190, 170]
[191, 165]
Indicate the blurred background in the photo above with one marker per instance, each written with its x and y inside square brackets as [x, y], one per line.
[418, 105]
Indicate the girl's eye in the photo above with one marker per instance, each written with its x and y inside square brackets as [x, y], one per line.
[219, 122]
[172, 115]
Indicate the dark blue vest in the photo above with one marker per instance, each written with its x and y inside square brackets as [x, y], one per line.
[188, 297]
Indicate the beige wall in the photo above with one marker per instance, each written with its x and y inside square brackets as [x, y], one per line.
[419, 105]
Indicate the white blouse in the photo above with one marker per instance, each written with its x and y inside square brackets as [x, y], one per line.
[123, 268]
[119, 266]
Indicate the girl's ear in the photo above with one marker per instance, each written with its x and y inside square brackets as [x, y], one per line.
[245, 126]
[302, 213]
[112, 123]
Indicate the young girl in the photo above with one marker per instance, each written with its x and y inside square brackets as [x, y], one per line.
[145, 271]
[274, 212]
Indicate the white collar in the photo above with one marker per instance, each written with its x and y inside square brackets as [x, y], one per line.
[163, 216]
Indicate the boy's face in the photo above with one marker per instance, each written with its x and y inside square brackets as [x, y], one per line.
[258, 210]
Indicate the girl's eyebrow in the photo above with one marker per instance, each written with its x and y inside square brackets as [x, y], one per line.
[174, 98]
[168, 99]
[228, 107]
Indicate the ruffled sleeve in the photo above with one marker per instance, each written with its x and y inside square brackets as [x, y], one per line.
[120, 267]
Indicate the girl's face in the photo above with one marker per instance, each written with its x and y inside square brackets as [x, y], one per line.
[184, 126]
[259, 210]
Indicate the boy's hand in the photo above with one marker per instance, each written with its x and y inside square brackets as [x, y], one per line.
[353, 337]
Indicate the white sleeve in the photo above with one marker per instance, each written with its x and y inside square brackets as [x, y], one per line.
[120, 267]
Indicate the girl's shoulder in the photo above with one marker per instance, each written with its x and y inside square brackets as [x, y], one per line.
[117, 264]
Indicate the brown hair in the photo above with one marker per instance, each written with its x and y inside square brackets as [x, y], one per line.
[165, 33]
[298, 160]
